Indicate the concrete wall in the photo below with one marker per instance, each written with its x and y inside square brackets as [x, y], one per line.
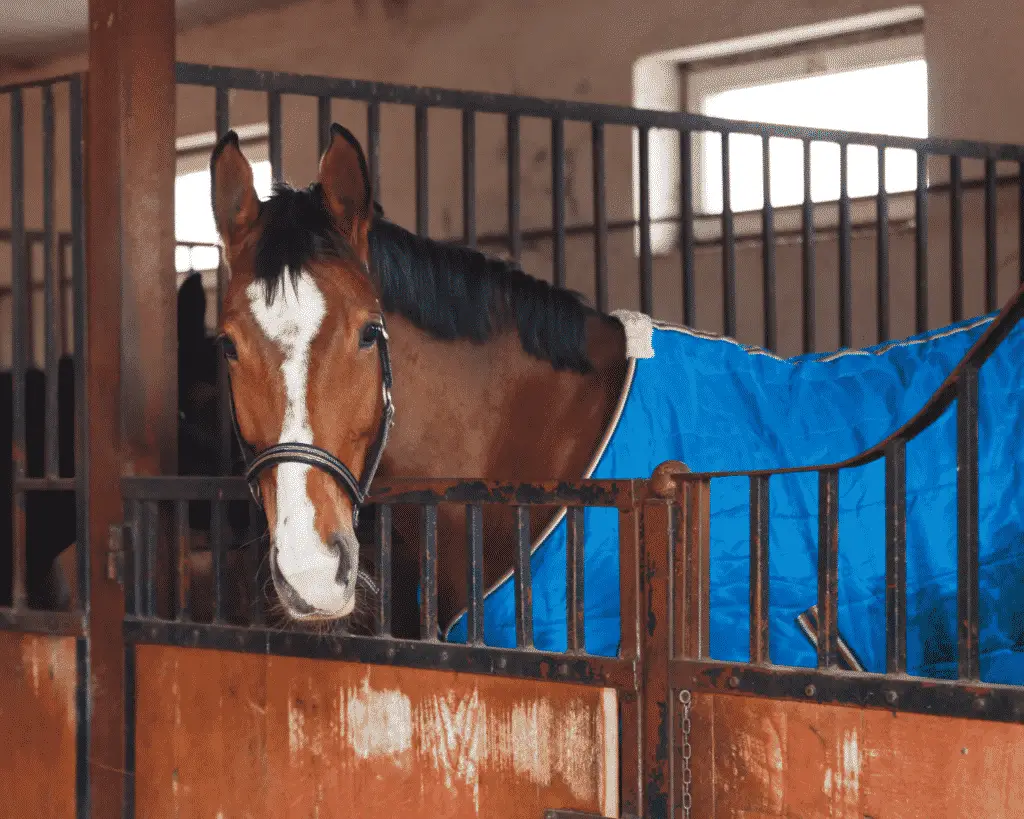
[585, 49]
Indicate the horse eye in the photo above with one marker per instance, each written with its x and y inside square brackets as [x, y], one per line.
[368, 337]
[229, 348]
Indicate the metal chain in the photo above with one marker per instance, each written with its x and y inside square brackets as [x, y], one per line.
[684, 698]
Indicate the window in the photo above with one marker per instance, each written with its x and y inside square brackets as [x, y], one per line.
[194, 229]
[864, 74]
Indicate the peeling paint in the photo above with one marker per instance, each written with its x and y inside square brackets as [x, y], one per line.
[376, 722]
[453, 731]
[296, 730]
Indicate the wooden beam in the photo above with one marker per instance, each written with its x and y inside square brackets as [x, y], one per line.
[131, 392]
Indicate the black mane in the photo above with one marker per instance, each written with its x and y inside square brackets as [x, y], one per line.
[445, 289]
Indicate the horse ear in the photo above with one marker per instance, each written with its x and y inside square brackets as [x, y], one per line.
[232, 193]
[346, 186]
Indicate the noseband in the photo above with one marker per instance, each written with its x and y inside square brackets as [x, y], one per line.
[314, 456]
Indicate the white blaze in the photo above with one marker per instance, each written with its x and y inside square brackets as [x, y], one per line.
[305, 561]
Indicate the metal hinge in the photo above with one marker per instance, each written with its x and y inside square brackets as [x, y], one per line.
[115, 552]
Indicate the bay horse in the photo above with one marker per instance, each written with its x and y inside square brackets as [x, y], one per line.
[334, 317]
[495, 374]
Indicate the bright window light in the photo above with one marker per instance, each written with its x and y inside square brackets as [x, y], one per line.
[193, 219]
[887, 99]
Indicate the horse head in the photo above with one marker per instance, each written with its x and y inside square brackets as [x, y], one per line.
[303, 331]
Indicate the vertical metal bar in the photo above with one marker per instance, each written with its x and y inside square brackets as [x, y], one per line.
[422, 167]
[558, 199]
[225, 437]
[882, 248]
[150, 564]
[182, 609]
[967, 523]
[768, 245]
[686, 226]
[475, 578]
[428, 575]
[274, 138]
[728, 246]
[382, 536]
[759, 574]
[469, 177]
[373, 147]
[646, 264]
[19, 309]
[77, 151]
[921, 244]
[524, 580]
[809, 244]
[574, 602]
[956, 239]
[63, 296]
[828, 567]
[217, 558]
[51, 290]
[515, 237]
[991, 263]
[133, 548]
[896, 557]
[323, 125]
[600, 218]
[845, 273]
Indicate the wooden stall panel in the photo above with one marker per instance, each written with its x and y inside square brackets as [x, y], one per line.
[37, 726]
[756, 758]
[231, 735]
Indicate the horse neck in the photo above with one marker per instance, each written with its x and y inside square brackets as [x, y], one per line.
[493, 411]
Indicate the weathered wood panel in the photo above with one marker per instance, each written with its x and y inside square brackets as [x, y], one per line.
[767, 758]
[37, 725]
[223, 734]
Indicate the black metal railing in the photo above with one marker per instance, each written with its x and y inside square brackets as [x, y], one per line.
[47, 441]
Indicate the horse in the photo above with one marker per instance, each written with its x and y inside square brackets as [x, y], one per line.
[334, 317]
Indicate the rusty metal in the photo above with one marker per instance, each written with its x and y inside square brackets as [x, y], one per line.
[969, 665]
[383, 548]
[475, 574]
[523, 579]
[896, 556]
[574, 580]
[759, 574]
[828, 567]
[846, 657]
[768, 246]
[882, 250]
[428, 574]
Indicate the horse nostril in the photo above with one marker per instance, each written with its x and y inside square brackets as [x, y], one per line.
[344, 561]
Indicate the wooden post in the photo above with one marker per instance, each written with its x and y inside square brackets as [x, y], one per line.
[131, 392]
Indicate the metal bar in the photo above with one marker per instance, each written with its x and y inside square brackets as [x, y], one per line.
[921, 244]
[428, 575]
[52, 319]
[896, 557]
[274, 136]
[828, 560]
[600, 218]
[36, 621]
[991, 262]
[63, 294]
[956, 240]
[558, 199]
[646, 264]
[373, 147]
[574, 597]
[133, 539]
[969, 667]
[524, 580]
[515, 239]
[422, 176]
[469, 177]
[728, 246]
[225, 436]
[149, 550]
[19, 308]
[768, 247]
[809, 245]
[882, 250]
[759, 574]
[323, 125]
[76, 149]
[686, 227]
[182, 610]
[475, 574]
[383, 543]
[845, 273]
[217, 558]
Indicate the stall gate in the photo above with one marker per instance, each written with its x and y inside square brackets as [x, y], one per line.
[226, 713]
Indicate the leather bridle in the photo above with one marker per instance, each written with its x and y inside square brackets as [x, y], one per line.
[294, 452]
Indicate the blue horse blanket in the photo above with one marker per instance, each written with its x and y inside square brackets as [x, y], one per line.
[718, 405]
